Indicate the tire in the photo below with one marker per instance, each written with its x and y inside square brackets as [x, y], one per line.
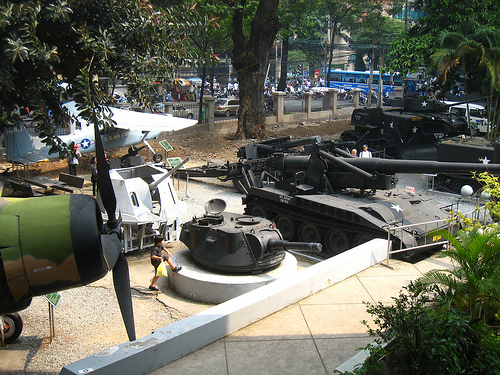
[310, 233]
[336, 241]
[132, 151]
[227, 113]
[456, 184]
[258, 211]
[13, 326]
[189, 116]
[287, 226]
[157, 158]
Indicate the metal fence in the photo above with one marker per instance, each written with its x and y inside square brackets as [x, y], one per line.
[451, 224]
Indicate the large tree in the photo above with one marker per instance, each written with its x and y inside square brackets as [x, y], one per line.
[250, 58]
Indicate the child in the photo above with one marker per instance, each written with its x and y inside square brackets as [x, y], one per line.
[156, 259]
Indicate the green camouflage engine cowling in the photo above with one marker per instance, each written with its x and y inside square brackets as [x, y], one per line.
[47, 244]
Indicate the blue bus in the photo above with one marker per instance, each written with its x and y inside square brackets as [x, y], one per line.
[350, 79]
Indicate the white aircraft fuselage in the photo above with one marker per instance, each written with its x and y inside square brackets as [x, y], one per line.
[131, 128]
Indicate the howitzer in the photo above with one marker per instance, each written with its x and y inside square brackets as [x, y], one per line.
[340, 201]
[255, 159]
[327, 171]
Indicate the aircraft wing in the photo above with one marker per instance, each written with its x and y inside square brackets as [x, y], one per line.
[126, 119]
[132, 120]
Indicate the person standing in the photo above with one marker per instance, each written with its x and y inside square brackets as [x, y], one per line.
[354, 152]
[365, 153]
[93, 177]
[157, 258]
[74, 155]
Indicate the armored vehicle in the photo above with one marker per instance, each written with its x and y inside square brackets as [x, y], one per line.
[228, 242]
[342, 201]
[409, 132]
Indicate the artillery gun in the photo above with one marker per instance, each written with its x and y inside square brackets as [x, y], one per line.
[228, 242]
[147, 203]
[340, 201]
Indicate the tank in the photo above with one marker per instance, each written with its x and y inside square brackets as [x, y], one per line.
[464, 150]
[235, 243]
[341, 201]
[409, 132]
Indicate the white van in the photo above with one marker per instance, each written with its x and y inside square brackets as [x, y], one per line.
[478, 114]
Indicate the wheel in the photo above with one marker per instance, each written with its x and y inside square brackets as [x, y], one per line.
[189, 116]
[287, 227]
[227, 113]
[456, 184]
[258, 211]
[362, 238]
[133, 151]
[12, 327]
[157, 158]
[336, 241]
[310, 233]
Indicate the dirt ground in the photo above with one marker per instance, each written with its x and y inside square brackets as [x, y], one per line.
[203, 146]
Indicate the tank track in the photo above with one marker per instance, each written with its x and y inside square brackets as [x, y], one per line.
[273, 210]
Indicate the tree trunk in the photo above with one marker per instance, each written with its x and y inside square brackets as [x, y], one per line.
[250, 59]
[330, 56]
[202, 92]
[284, 65]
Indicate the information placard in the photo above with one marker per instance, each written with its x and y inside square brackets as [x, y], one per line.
[53, 298]
[174, 162]
[166, 146]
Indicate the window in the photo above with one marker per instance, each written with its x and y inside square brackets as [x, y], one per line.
[134, 199]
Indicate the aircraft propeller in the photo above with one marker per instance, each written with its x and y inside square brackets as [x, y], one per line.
[110, 240]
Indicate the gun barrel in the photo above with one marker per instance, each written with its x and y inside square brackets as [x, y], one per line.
[153, 185]
[392, 166]
[279, 245]
[302, 142]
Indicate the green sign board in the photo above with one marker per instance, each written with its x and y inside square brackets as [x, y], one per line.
[174, 162]
[166, 146]
[54, 299]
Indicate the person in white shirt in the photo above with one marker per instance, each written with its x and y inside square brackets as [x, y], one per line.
[365, 153]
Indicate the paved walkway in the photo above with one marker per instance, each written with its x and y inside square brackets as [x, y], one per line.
[313, 336]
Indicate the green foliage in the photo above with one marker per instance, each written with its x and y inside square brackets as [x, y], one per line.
[408, 53]
[473, 284]
[491, 185]
[412, 50]
[423, 340]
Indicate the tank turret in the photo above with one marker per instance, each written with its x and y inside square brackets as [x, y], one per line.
[228, 242]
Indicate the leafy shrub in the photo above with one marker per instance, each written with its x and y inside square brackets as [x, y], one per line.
[421, 339]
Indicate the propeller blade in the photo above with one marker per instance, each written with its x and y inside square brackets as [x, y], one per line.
[104, 180]
[121, 280]
[111, 249]
[110, 242]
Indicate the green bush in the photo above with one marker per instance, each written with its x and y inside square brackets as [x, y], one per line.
[422, 339]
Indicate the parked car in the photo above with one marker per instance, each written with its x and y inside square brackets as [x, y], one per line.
[477, 112]
[181, 111]
[177, 110]
[226, 107]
